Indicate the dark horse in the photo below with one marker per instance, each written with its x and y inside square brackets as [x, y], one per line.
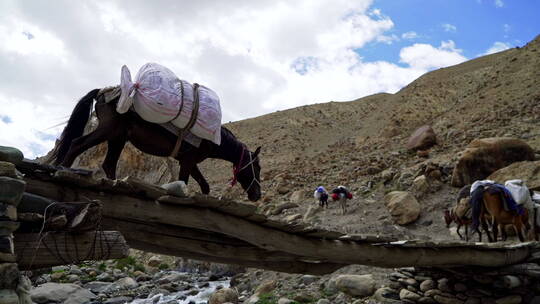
[153, 139]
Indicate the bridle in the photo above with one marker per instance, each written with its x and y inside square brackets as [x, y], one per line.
[237, 169]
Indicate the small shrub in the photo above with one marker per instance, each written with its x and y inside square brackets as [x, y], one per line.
[163, 266]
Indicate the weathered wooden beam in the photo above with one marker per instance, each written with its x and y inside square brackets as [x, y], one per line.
[59, 248]
[289, 267]
[183, 239]
[340, 252]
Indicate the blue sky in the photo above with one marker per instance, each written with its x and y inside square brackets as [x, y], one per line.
[259, 56]
[473, 25]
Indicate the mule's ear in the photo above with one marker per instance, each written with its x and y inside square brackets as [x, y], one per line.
[257, 151]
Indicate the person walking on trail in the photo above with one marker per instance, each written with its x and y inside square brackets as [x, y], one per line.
[321, 196]
[342, 194]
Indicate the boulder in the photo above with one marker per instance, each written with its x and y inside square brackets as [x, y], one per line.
[528, 171]
[356, 285]
[155, 261]
[11, 155]
[420, 186]
[484, 156]
[225, 295]
[264, 288]
[423, 138]
[11, 190]
[403, 207]
[298, 196]
[61, 293]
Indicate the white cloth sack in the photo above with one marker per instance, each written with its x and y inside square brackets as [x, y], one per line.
[519, 192]
[156, 96]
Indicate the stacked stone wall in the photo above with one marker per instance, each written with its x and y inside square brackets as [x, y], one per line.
[14, 286]
[460, 286]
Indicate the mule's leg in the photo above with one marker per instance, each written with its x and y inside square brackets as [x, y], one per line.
[83, 143]
[114, 149]
[197, 175]
[486, 229]
[458, 224]
[185, 171]
[518, 226]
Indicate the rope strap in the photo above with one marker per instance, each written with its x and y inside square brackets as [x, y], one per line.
[194, 112]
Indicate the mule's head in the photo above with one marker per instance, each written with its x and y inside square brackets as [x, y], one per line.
[249, 175]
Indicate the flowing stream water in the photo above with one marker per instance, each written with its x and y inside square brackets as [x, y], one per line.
[183, 297]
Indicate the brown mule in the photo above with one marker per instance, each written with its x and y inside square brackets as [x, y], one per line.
[493, 208]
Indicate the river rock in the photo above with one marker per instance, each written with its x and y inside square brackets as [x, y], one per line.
[386, 295]
[285, 301]
[403, 207]
[447, 300]
[173, 277]
[119, 300]
[225, 295]
[356, 285]
[97, 286]
[308, 279]
[11, 155]
[62, 293]
[323, 301]
[484, 156]
[421, 139]
[122, 284]
[427, 285]
[405, 294]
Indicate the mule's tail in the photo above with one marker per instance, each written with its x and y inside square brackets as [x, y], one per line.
[74, 128]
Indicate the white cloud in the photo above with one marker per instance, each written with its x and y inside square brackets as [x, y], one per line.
[410, 35]
[497, 47]
[388, 39]
[449, 27]
[426, 57]
[499, 3]
[259, 56]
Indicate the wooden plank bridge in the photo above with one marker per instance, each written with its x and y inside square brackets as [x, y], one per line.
[224, 231]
